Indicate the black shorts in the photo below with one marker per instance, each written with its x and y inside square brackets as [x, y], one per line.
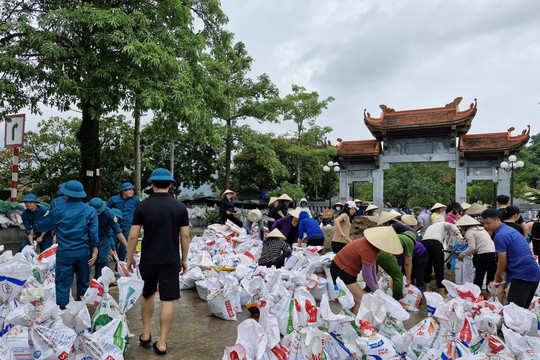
[336, 272]
[163, 275]
[315, 241]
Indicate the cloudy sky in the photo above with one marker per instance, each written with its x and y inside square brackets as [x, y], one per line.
[404, 54]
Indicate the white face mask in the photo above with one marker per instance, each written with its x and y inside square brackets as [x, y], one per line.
[338, 208]
[228, 196]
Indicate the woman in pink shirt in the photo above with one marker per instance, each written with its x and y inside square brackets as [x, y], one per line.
[452, 214]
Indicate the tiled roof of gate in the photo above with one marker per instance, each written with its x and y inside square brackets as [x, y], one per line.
[494, 141]
[358, 148]
[443, 117]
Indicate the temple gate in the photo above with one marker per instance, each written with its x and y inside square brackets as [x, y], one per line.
[427, 135]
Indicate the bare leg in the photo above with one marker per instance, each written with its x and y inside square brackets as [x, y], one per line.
[442, 292]
[357, 293]
[147, 310]
[165, 322]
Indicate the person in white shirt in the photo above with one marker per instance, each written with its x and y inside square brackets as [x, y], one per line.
[481, 246]
[435, 239]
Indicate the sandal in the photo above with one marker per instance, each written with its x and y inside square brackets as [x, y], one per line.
[159, 352]
[145, 342]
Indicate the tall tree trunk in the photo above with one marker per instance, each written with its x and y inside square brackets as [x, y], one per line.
[137, 138]
[298, 158]
[88, 136]
[228, 145]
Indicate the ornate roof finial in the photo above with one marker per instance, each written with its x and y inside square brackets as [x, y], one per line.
[510, 131]
[386, 109]
[454, 104]
[528, 131]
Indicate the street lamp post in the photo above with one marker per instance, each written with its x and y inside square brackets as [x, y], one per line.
[510, 167]
[327, 168]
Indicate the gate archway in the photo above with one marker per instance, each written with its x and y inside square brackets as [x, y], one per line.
[427, 135]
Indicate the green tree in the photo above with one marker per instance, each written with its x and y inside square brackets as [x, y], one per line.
[293, 190]
[484, 192]
[100, 55]
[303, 108]
[257, 164]
[193, 159]
[530, 155]
[407, 185]
[51, 156]
[314, 154]
[233, 96]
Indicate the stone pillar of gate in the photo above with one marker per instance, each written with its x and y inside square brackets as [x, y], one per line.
[461, 184]
[503, 185]
[343, 186]
[378, 187]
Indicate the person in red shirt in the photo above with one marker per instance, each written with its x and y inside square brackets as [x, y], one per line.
[361, 255]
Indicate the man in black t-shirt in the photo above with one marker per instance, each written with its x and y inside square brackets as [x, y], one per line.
[502, 203]
[165, 221]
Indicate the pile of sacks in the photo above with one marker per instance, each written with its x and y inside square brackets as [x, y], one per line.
[10, 214]
[463, 326]
[223, 269]
[32, 326]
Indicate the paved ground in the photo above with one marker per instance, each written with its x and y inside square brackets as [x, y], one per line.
[197, 335]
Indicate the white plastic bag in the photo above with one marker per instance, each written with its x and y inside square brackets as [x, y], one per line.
[223, 304]
[252, 337]
[411, 298]
[344, 295]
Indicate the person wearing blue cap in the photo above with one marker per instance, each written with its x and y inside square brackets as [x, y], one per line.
[59, 200]
[125, 202]
[165, 221]
[76, 226]
[108, 226]
[31, 216]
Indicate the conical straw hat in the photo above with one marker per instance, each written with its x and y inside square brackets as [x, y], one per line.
[386, 216]
[372, 207]
[272, 200]
[409, 220]
[465, 205]
[336, 204]
[228, 192]
[276, 234]
[467, 220]
[285, 197]
[385, 239]
[475, 209]
[254, 215]
[437, 206]
[295, 213]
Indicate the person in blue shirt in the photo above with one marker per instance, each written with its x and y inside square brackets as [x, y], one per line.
[76, 226]
[108, 226]
[360, 211]
[515, 258]
[30, 217]
[125, 202]
[311, 228]
[59, 200]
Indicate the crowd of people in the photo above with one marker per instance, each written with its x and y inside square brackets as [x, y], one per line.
[410, 246]
[86, 235]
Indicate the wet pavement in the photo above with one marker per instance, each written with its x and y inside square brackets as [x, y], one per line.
[198, 335]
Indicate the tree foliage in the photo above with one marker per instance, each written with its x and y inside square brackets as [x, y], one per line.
[193, 158]
[51, 156]
[233, 96]
[407, 185]
[303, 108]
[101, 55]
